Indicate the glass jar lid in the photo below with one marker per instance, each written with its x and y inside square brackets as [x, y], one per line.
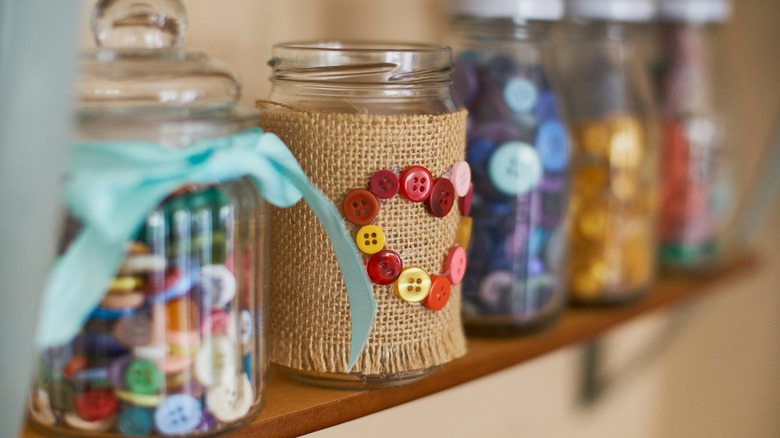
[139, 66]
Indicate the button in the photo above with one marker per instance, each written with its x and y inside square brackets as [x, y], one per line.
[215, 322]
[495, 288]
[215, 362]
[102, 425]
[109, 314]
[137, 248]
[594, 138]
[360, 207]
[546, 107]
[553, 146]
[126, 284]
[455, 265]
[230, 400]
[145, 400]
[76, 364]
[370, 239]
[625, 147]
[118, 301]
[95, 404]
[440, 293]
[416, 183]
[246, 324]
[498, 132]
[134, 330]
[442, 197]
[384, 267]
[142, 264]
[384, 184]
[39, 408]
[515, 168]
[464, 232]
[465, 202]
[88, 375]
[181, 315]
[100, 344]
[219, 285]
[117, 370]
[413, 285]
[178, 414]
[180, 359]
[479, 152]
[135, 421]
[151, 352]
[143, 377]
[183, 339]
[520, 94]
[465, 81]
[460, 176]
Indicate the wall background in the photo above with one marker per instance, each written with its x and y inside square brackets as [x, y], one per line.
[719, 378]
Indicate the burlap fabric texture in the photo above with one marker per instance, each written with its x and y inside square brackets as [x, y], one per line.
[309, 312]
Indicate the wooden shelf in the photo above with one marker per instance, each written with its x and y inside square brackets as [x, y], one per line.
[294, 409]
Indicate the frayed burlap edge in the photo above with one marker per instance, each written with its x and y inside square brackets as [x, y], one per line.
[309, 312]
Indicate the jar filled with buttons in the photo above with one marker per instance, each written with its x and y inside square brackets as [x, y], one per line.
[376, 129]
[696, 181]
[519, 154]
[611, 252]
[174, 344]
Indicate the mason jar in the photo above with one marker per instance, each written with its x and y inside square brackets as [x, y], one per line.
[176, 345]
[696, 179]
[375, 127]
[519, 156]
[615, 161]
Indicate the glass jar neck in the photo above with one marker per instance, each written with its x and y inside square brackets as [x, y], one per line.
[371, 78]
[500, 29]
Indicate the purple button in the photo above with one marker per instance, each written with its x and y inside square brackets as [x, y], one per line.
[546, 107]
[479, 152]
[465, 82]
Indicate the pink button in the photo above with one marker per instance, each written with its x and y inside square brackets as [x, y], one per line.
[455, 265]
[465, 201]
[460, 176]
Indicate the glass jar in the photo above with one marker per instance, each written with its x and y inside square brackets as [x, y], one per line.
[519, 156]
[696, 180]
[177, 344]
[363, 118]
[615, 159]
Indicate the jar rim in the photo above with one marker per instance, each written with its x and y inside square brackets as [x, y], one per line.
[362, 46]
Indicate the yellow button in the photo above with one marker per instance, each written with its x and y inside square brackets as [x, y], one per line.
[594, 221]
[126, 284]
[464, 232]
[370, 239]
[624, 186]
[594, 138]
[413, 285]
[145, 400]
[626, 144]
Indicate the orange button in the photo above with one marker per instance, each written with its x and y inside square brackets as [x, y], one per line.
[440, 293]
[360, 207]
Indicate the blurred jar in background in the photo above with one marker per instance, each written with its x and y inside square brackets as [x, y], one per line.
[518, 150]
[615, 162]
[696, 183]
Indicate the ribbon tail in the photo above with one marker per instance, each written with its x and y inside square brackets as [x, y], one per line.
[75, 286]
[362, 305]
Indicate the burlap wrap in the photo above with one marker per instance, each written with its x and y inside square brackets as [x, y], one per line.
[309, 312]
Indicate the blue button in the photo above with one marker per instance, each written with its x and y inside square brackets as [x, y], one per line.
[248, 366]
[135, 421]
[110, 314]
[546, 107]
[479, 152]
[515, 168]
[520, 94]
[178, 414]
[553, 146]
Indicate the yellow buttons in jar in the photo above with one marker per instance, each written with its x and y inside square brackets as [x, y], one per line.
[413, 285]
[370, 239]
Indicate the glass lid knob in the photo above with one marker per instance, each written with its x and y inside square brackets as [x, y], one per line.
[139, 24]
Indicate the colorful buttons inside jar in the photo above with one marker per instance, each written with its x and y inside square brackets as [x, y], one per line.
[519, 154]
[612, 210]
[440, 195]
[171, 348]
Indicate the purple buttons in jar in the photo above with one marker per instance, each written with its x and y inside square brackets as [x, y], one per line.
[518, 151]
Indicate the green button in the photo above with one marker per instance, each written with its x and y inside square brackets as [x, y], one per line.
[143, 377]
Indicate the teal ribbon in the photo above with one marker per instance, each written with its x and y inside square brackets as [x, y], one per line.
[113, 187]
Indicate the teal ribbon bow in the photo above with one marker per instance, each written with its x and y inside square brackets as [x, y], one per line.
[113, 187]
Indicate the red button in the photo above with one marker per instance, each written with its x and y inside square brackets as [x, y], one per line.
[442, 197]
[440, 293]
[95, 404]
[416, 183]
[465, 202]
[360, 207]
[384, 267]
[455, 265]
[384, 184]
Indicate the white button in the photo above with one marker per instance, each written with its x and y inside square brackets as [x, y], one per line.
[102, 425]
[40, 408]
[246, 327]
[215, 362]
[229, 401]
[219, 285]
